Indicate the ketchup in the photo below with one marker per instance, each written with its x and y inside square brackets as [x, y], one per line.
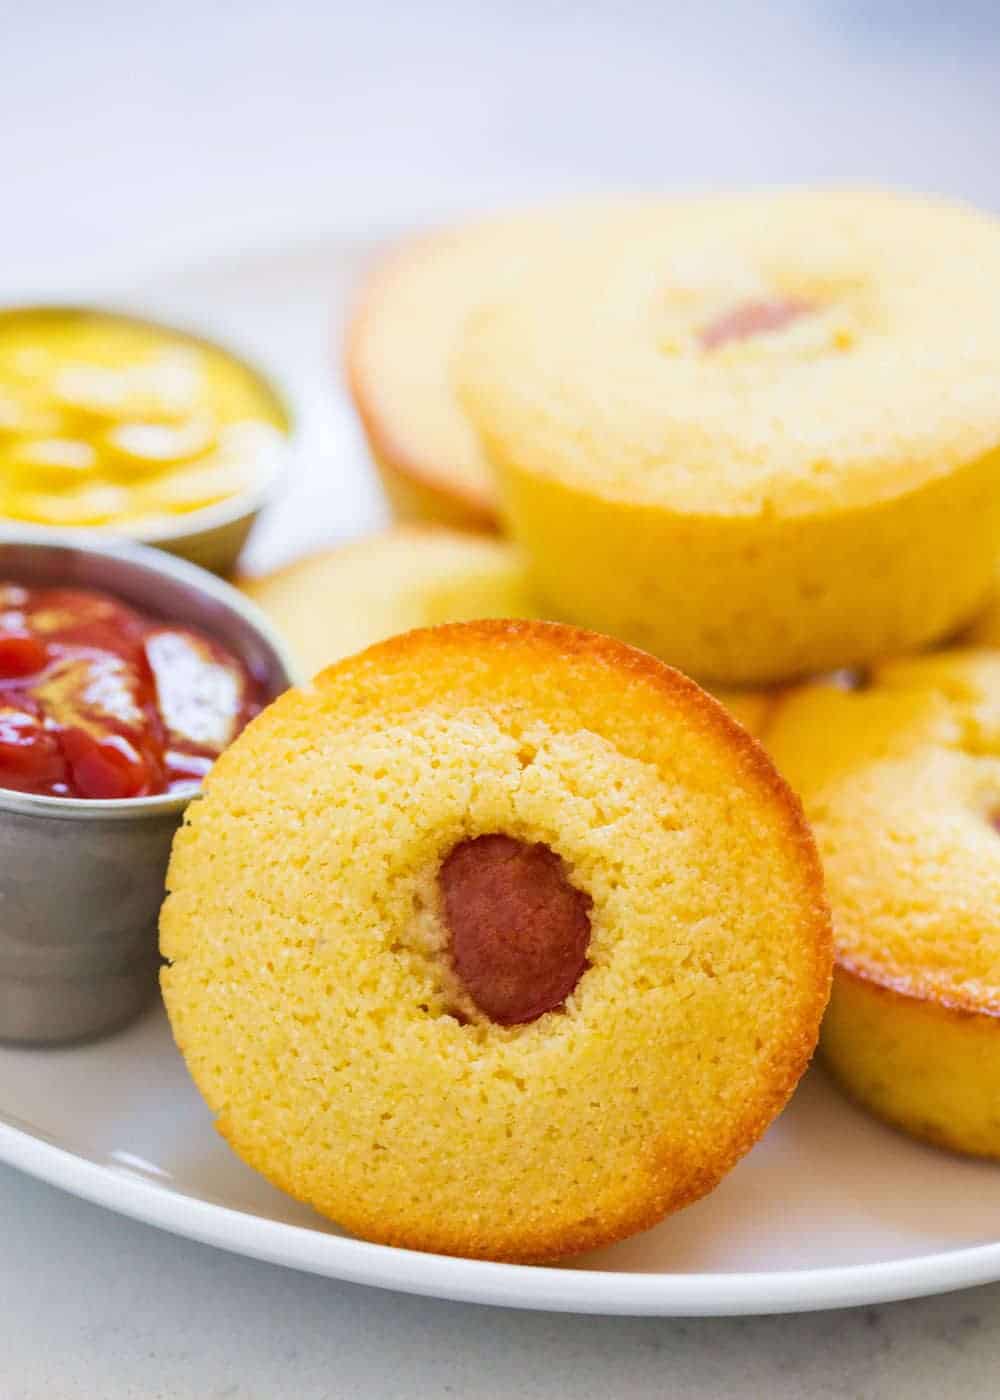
[98, 700]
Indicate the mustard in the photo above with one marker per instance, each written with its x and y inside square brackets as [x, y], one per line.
[106, 420]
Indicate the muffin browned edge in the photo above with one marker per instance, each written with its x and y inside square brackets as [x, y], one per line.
[414, 483]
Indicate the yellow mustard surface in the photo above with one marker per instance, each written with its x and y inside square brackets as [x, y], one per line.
[106, 420]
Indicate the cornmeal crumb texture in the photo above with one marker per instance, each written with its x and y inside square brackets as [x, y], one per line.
[901, 782]
[310, 989]
[815, 494]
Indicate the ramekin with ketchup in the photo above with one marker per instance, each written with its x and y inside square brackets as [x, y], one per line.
[124, 672]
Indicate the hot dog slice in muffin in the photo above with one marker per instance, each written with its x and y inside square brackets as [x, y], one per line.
[901, 781]
[758, 435]
[500, 939]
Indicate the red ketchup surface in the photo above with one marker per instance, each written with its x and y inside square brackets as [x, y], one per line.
[98, 700]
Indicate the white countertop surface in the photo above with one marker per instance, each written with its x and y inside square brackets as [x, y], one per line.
[132, 135]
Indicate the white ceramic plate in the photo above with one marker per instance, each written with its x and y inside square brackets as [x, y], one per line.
[831, 1209]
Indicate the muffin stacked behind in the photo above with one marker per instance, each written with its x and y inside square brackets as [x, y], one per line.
[348, 898]
[402, 343]
[759, 436]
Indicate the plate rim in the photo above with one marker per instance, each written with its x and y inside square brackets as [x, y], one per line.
[527, 1286]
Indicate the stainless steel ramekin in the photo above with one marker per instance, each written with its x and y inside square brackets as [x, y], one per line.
[81, 882]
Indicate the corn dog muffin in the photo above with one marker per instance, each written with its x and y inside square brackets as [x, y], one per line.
[760, 434]
[902, 784]
[330, 604]
[500, 939]
[401, 344]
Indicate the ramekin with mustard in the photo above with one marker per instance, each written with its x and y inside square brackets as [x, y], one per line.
[126, 425]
